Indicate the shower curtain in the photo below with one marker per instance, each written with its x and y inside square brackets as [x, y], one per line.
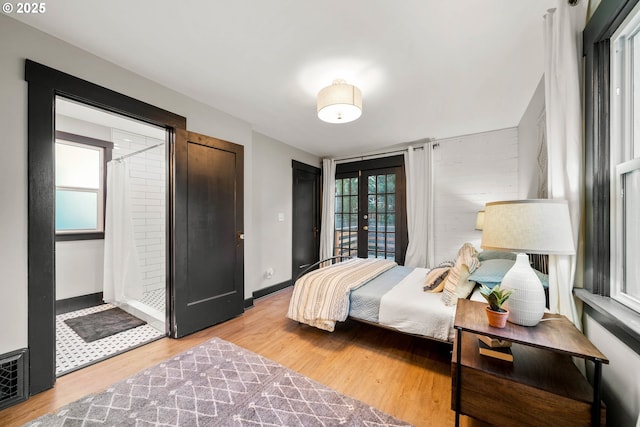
[122, 277]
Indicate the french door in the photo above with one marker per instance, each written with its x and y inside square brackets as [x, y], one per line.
[370, 211]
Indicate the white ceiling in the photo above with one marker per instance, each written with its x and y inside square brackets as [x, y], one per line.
[426, 68]
[69, 108]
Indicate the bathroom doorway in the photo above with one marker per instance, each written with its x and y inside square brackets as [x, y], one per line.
[195, 161]
[111, 222]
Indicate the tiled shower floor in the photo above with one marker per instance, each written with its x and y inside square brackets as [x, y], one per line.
[73, 353]
[154, 298]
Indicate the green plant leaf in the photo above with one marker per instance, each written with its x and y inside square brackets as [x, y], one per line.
[495, 296]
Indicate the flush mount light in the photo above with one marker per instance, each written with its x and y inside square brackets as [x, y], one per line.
[339, 103]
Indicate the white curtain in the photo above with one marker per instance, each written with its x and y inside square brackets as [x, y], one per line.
[562, 32]
[122, 277]
[417, 162]
[328, 207]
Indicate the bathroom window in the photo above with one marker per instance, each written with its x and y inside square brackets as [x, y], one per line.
[80, 179]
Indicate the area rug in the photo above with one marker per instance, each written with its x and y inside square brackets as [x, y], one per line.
[218, 384]
[94, 326]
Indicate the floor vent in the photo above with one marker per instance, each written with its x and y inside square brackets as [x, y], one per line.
[13, 378]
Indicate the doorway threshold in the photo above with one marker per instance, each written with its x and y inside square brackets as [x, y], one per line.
[73, 353]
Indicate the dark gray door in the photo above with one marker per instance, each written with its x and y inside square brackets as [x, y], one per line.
[209, 283]
[306, 216]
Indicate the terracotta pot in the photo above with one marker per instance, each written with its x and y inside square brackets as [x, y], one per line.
[497, 319]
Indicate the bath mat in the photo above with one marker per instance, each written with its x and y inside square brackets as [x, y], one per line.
[218, 384]
[95, 326]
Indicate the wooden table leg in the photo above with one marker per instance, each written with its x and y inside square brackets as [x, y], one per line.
[458, 373]
[597, 381]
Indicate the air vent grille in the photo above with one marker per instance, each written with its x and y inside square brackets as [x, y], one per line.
[13, 378]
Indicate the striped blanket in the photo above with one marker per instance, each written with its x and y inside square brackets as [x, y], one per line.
[321, 298]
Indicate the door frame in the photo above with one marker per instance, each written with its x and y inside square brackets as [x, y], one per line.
[354, 169]
[44, 84]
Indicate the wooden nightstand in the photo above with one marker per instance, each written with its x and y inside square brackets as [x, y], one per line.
[541, 386]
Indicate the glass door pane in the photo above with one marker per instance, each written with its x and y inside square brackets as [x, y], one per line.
[381, 233]
[346, 217]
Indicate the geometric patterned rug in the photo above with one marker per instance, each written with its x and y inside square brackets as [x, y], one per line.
[218, 384]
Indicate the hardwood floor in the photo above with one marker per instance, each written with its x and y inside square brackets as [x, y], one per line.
[404, 376]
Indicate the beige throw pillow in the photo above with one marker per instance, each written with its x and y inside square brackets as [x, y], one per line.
[456, 285]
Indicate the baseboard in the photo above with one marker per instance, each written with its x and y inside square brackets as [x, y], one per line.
[271, 289]
[248, 303]
[78, 303]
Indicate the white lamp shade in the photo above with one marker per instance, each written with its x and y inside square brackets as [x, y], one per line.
[339, 103]
[535, 226]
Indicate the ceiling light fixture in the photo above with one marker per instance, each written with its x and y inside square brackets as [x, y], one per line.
[339, 103]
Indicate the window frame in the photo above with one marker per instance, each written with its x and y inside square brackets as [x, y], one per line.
[107, 147]
[619, 237]
[617, 318]
[623, 147]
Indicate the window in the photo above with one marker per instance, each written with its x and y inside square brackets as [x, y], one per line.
[608, 131]
[626, 284]
[625, 162]
[80, 181]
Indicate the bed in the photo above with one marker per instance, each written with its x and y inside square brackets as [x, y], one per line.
[392, 296]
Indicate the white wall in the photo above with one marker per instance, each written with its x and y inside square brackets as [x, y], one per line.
[79, 268]
[529, 145]
[81, 127]
[272, 196]
[621, 377]
[470, 171]
[18, 42]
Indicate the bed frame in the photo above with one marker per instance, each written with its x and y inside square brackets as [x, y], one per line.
[540, 262]
[331, 260]
[339, 258]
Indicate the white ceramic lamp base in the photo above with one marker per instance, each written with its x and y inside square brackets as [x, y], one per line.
[527, 303]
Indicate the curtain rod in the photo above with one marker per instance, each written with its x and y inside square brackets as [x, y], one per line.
[383, 154]
[139, 151]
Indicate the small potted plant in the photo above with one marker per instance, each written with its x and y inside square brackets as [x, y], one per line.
[496, 315]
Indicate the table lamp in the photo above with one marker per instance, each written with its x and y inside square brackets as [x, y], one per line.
[479, 220]
[535, 226]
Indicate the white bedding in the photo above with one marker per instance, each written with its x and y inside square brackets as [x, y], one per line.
[407, 308]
